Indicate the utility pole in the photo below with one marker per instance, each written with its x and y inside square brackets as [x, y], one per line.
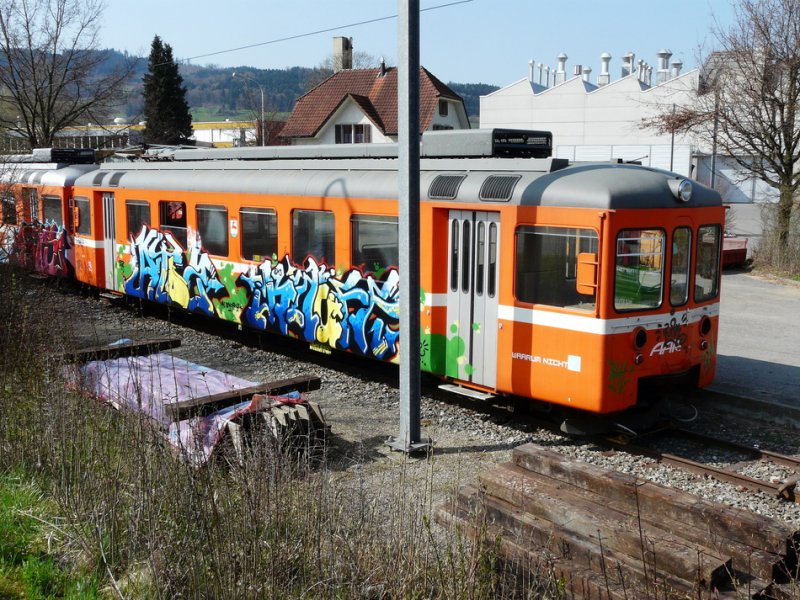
[263, 127]
[408, 142]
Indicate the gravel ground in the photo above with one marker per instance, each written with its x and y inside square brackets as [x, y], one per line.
[362, 411]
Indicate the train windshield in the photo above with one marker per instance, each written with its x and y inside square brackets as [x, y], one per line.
[679, 275]
[639, 272]
[706, 279]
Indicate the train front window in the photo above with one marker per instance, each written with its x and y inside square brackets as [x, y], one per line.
[679, 275]
[375, 242]
[547, 265]
[52, 210]
[259, 233]
[212, 225]
[639, 272]
[313, 235]
[9, 208]
[706, 278]
[173, 220]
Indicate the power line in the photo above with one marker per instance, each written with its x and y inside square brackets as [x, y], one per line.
[319, 31]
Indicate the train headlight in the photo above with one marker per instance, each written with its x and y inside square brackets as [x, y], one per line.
[681, 189]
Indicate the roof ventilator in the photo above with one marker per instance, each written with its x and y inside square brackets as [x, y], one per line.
[499, 188]
[445, 187]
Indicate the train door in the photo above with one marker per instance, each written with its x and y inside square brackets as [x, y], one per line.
[109, 240]
[472, 295]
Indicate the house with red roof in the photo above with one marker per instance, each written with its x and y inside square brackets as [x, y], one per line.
[356, 106]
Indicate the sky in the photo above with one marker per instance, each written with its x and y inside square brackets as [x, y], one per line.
[463, 41]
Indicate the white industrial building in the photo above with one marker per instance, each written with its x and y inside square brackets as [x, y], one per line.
[602, 119]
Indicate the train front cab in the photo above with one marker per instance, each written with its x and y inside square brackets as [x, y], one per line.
[608, 305]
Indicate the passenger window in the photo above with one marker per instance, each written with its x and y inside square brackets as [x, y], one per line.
[454, 245]
[706, 278]
[259, 233]
[84, 216]
[639, 272]
[138, 213]
[547, 265]
[212, 225]
[492, 259]
[679, 275]
[173, 220]
[465, 256]
[313, 235]
[375, 242]
[52, 210]
[9, 208]
[33, 203]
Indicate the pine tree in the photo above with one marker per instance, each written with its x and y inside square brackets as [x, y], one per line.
[165, 108]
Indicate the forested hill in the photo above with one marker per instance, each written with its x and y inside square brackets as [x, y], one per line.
[219, 93]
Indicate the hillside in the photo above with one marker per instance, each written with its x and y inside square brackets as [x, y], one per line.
[215, 93]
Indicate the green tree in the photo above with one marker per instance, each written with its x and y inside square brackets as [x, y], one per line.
[166, 110]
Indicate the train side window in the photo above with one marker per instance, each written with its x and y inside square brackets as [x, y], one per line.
[259, 233]
[172, 216]
[547, 265]
[33, 203]
[465, 255]
[84, 216]
[679, 274]
[454, 229]
[9, 208]
[138, 215]
[706, 278]
[313, 235]
[374, 242]
[639, 271]
[212, 225]
[480, 264]
[52, 210]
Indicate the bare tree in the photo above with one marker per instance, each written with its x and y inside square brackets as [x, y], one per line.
[747, 102]
[49, 68]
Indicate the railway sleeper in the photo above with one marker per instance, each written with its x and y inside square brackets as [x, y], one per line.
[607, 529]
[535, 548]
[774, 545]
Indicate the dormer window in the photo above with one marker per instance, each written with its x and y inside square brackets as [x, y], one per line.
[353, 133]
[443, 108]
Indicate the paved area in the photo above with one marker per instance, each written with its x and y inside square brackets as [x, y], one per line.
[759, 340]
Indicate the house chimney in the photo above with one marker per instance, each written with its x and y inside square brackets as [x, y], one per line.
[649, 74]
[383, 67]
[541, 67]
[627, 64]
[531, 68]
[577, 70]
[677, 65]
[604, 78]
[640, 70]
[663, 65]
[342, 54]
[547, 77]
[561, 73]
[587, 72]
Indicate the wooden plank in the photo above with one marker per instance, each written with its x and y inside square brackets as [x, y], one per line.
[696, 518]
[536, 547]
[110, 351]
[619, 532]
[184, 409]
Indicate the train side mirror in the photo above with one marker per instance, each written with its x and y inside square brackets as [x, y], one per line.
[586, 282]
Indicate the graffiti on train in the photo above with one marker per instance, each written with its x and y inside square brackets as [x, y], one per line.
[48, 243]
[351, 311]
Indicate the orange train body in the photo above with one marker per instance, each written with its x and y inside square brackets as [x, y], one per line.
[582, 285]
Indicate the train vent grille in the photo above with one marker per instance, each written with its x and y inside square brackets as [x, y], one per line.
[98, 179]
[114, 181]
[445, 186]
[499, 188]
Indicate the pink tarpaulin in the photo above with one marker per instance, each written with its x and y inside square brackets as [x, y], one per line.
[149, 383]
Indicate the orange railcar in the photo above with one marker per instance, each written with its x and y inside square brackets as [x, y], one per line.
[582, 285]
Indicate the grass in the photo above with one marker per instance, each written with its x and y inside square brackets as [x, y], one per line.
[147, 525]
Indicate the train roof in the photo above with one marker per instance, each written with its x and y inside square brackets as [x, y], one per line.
[47, 174]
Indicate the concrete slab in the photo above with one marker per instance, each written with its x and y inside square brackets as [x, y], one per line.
[759, 340]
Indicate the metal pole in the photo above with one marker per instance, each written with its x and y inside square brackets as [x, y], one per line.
[409, 439]
[672, 141]
[263, 124]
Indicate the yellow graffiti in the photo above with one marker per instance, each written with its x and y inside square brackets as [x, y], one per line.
[177, 288]
[329, 329]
